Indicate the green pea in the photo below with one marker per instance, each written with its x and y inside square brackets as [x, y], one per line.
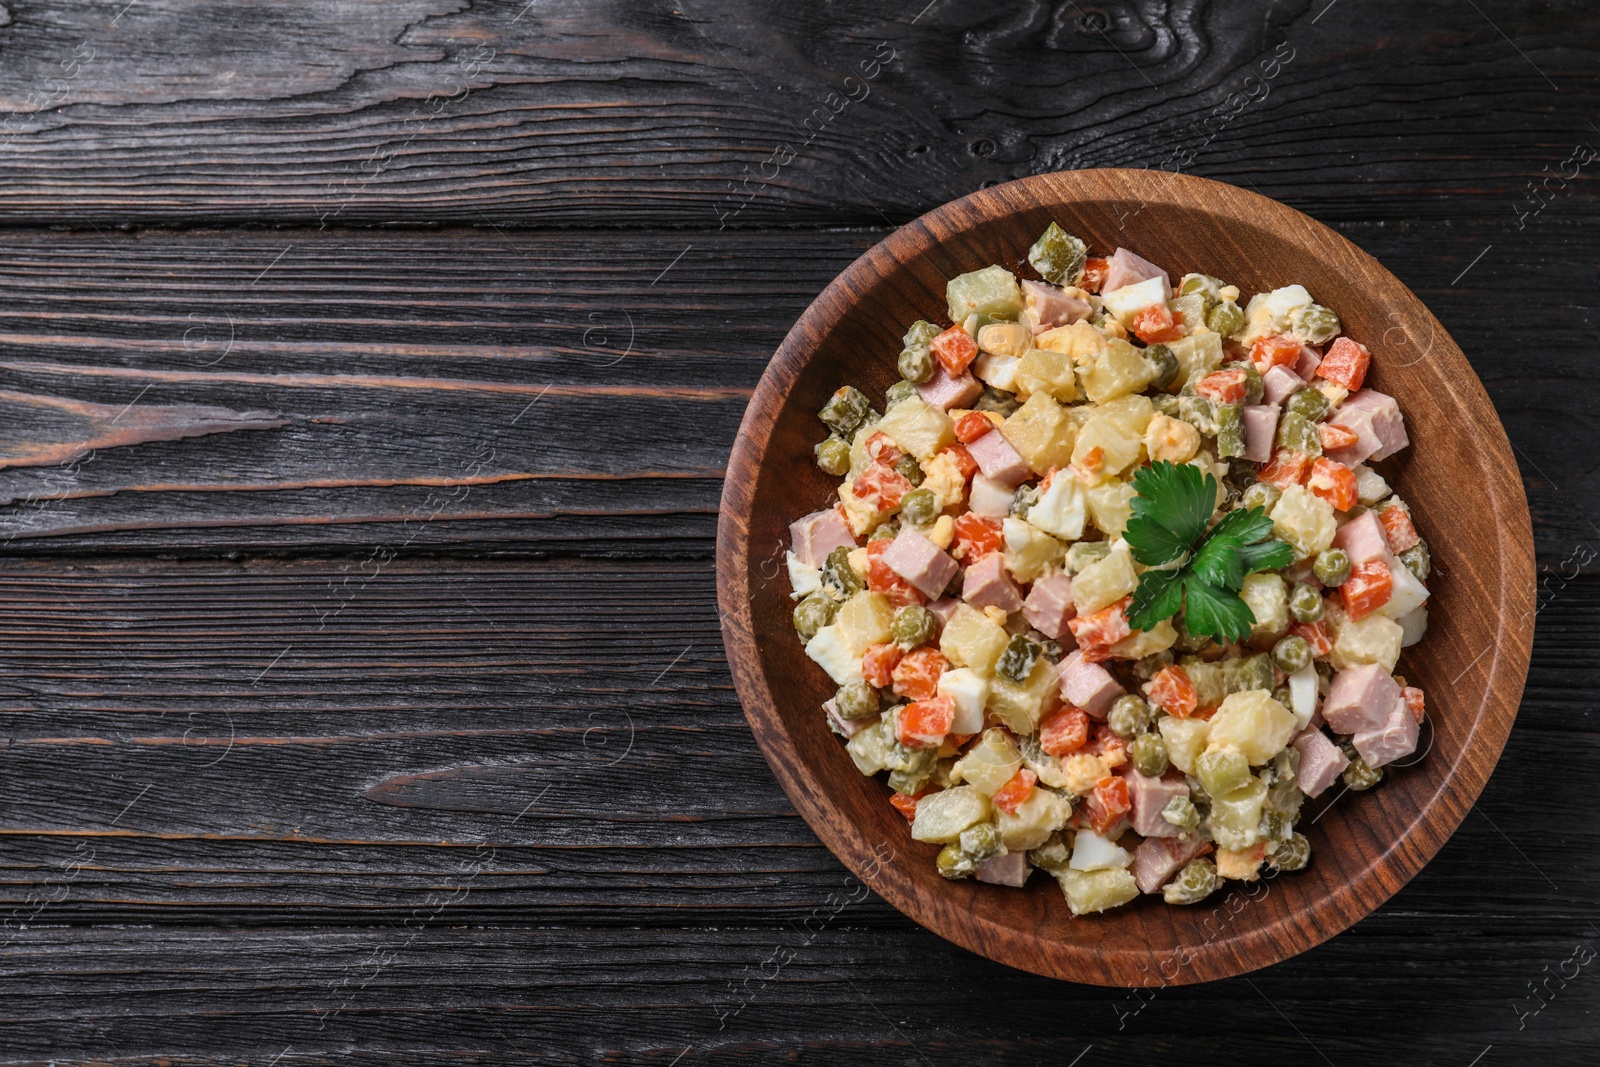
[1130, 716]
[813, 613]
[1418, 560]
[1247, 673]
[1165, 404]
[998, 401]
[981, 841]
[919, 507]
[1261, 495]
[908, 468]
[1275, 826]
[1165, 363]
[1203, 284]
[1316, 324]
[1153, 664]
[1018, 659]
[921, 334]
[913, 625]
[1293, 854]
[1305, 603]
[1053, 855]
[1226, 318]
[897, 392]
[1181, 812]
[1149, 755]
[1230, 431]
[856, 700]
[1332, 567]
[1058, 256]
[887, 532]
[1291, 653]
[916, 365]
[1198, 412]
[833, 456]
[1360, 775]
[846, 411]
[1193, 884]
[1283, 696]
[839, 575]
[955, 864]
[1222, 770]
[1299, 434]
[1024, 501]
[1309, 404]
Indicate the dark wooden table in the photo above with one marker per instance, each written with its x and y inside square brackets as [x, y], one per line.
[366, 375]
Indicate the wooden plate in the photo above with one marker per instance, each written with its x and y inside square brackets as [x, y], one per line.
[1458, 475]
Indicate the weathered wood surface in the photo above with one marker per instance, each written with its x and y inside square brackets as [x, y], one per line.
[549, 604]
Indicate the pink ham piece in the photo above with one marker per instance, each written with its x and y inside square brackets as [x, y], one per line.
[1088, 685]
[1278, 384]
[920, 562]
[1321, 762]
[998, 460]
[1125, 268]
[843, 726]
[1149, 796]
[1362, 539]
[1310, 360]
[1051, 307]
[1395, 738]
[943, 609]
[1011, 869]
[945, 392]
[989, 498]
[1360, 698]
[1049, 606]
[1375, 419]
[1260, 423]
[1158, 859]
[987, 585]
[813, 537]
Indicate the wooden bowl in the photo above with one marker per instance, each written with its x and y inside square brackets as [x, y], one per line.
[1458, 475]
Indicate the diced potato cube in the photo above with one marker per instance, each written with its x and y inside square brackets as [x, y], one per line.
[864, 620]
[1088, 892]
[943, 815]
[989, 764]
[1267, 597]
[1370, 486]
[1044, 371]
[1061, 509]
[862, 516]
[1198, 355]
[870, 748]
[830, 649]
[918, 427]
[1131, 414]
[1005, 339]
[1083, 772]
[1110, 506]
[1035, 820]
[1116, 371]
[1078, 341]
[859, 459]
[1185, 738]
[971, 639]
[1104, 582]
[1235, 819]
[1041, 432]
[1142, 643]
[1020, 707]
[992, 291]
[1030, 552]
[1374, 639]
[1253, 722]
[1118, 446]
[1305, 520]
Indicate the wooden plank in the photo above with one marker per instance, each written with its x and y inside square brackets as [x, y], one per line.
[704, 115]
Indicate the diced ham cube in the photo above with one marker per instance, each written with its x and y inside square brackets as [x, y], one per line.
[818, 534]
[1051, 307]
[1148, 796]
[1310, 360]
[987, 585]
[999, 461]
[1395, 738]
[1360, 698]
[1278, 384]
[921, 562]
[945, 391]
[1049, 605]
[1376, 421]
[1260, 424]
[1010, 869]
[1362, 540]
[1158, 859]
[943, 609]
[846, 727]
[990, 498]
[1321, 762]
[1125, 268]
[1088, 685]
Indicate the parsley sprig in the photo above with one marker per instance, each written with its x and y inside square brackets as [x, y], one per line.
[1194, 571]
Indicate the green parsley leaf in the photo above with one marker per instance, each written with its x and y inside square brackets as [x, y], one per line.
[1212, 612]
[1159, 596]
[1170, 511]
[1219, 560]
[1267, 556]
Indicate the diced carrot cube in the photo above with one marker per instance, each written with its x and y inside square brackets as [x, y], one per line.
[881, 578]
[881, 486]
[1286, 468]
[1271, 352]
[962, 457]
[1172, 689]
[906, 803]
[1096, 633]
[1398, 529]
[1112, 750]
[1367, 589]
[1316, 635]
[1414, 701]
[1156, 324]
[1333, 482]
[1336, 437]
[878, 663]
[925, 723]
[917, 674]
[1346, 363]
[1225, 386]
[1095, 269]
[881, 447]
[955, 350]
[1015, 793]
[976, 537]
[1065, 732]
[1107, 802]
[971, 426]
